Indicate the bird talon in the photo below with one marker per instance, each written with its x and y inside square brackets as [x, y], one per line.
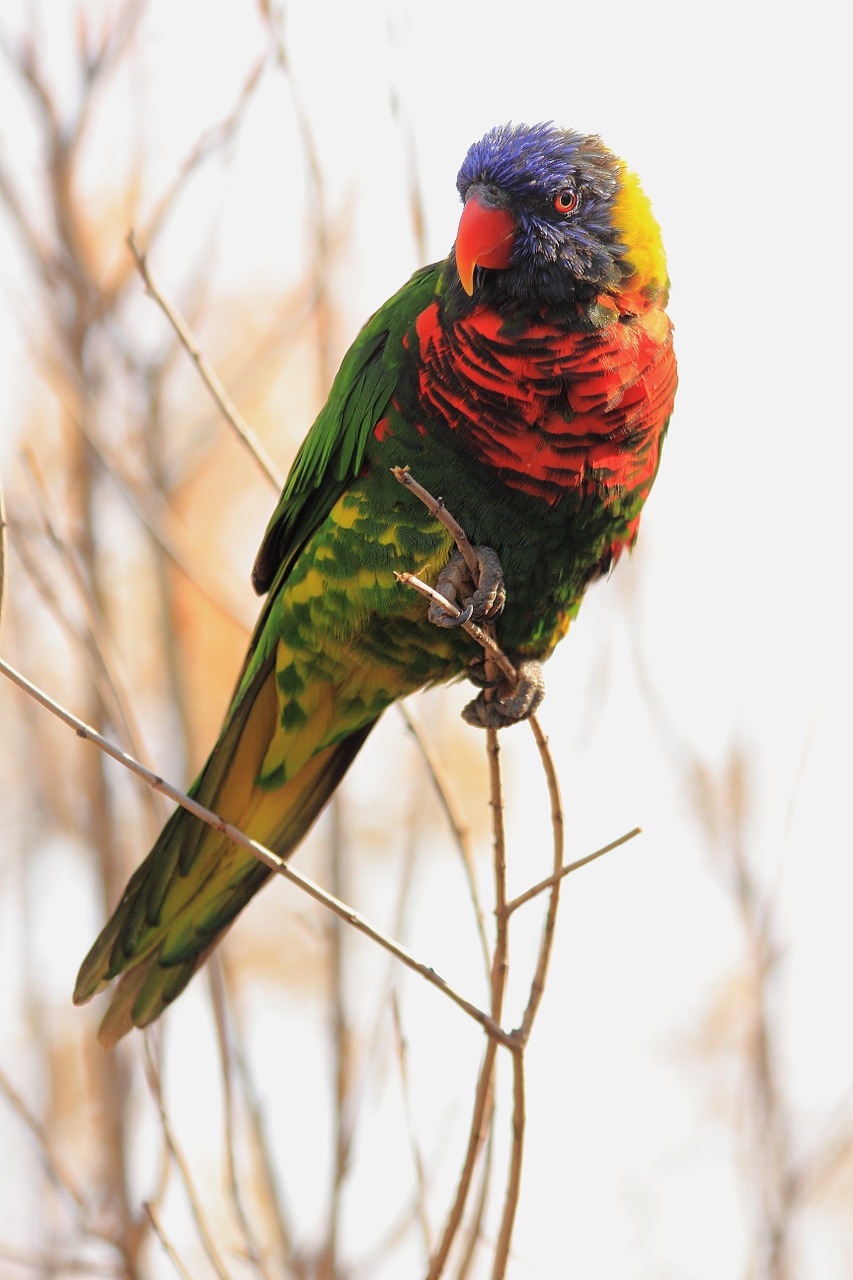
[486, 597]
[519, 704]
[439, 617]
[476, 673]
[461, 618]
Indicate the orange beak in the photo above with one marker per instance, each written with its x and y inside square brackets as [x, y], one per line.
[485, 238]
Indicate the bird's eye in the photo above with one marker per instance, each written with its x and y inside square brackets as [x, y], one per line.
[566, 201]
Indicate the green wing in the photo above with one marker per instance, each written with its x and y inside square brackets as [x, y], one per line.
[333, 451]
[194, 881]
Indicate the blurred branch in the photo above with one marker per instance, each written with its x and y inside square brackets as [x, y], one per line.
[96, 642]
[343, 1126]
[417, 210]
[59, 239]
[2, 558]
[402, 1053]
[152, 1076]
[61, 1176]
[168, 1248]
[278, 1218]
[186, 551]
[235, 419]
[58, 1264]
[218, 136]
[251, 1245]
[455, 816]
[719, 802]
[317, 194]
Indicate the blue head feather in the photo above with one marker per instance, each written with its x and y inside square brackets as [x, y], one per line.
[557, 259]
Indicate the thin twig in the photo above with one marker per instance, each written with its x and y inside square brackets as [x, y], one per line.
[253, 1249]
[216, 137]
[492, 648]
[455, 817]
[436, 507]
[96, 641]
[272, 860]
[340, 1035]
[484, 1096]
[2, 558]
[481, 1119]
[537, 985]
[514, 1182]
[475, 1227]
[208, 376]
[186, 551]
[414, 1145]
[269, 1177]
[55, 1168]
[167, 1246]
[547, 883]
[319, 223]
[49, 1264]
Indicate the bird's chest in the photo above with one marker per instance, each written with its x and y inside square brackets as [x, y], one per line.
[550, 412]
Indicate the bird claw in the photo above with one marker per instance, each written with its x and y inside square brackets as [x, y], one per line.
[439, 618]
[476, 673]
[521, 702]
[486, 600]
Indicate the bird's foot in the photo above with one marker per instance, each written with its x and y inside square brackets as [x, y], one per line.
[517, 704]
[483, 602]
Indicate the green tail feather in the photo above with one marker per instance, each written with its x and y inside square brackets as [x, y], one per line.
[195, 880]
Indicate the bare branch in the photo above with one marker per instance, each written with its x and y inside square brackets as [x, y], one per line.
[484, 1096]
[537, 986]
[436, 507]
[551, 880]
[514, 1181]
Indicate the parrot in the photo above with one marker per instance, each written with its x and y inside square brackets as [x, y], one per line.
[529, 379]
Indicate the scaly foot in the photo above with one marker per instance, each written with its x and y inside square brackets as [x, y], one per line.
[483, 603]
[519, 703]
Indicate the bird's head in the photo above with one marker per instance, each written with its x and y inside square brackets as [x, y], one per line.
[552, 218]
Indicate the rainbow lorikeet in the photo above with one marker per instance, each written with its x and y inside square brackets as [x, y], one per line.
[529, 378]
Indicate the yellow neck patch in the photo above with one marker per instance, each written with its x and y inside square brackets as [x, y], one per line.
[639, 231]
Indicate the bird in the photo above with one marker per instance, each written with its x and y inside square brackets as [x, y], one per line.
[528, 378]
